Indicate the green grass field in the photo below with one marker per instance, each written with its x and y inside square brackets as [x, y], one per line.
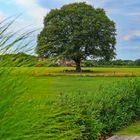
[95, 71]
[35, 106]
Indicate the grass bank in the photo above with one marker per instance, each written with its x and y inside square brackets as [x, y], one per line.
[65, 108]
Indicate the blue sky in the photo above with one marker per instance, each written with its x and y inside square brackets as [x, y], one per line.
[126, 14]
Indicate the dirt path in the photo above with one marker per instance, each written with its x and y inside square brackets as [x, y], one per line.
[117, 137]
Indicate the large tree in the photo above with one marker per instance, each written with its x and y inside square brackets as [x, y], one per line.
[77, 31]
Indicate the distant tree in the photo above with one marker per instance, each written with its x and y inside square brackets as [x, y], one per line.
[137, 62]
[77, 31]
[119, 62]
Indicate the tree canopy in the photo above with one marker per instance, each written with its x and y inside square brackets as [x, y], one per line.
[76, 32]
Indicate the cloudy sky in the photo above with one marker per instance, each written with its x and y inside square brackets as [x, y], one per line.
[126, 14]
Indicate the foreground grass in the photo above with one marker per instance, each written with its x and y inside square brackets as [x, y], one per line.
[64, 107]
[27, 106]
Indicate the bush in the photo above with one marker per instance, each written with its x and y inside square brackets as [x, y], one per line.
[90, 116]
[137, 62]
[118, 105]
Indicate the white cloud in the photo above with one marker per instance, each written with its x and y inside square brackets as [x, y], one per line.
[25, 3]
[2, 15]
[32, 9]
[131, 35]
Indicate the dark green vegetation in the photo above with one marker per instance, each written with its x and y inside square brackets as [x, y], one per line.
[76, 32]
[112, 63]
[66, 108]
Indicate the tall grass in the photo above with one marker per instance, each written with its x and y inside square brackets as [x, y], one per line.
[90, 116]
[67, 116]
[13, 41]
[11, 87]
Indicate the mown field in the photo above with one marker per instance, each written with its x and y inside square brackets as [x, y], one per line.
[40, 103]
[95, 71]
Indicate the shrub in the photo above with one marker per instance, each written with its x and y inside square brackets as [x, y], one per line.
[93, 115]
[118, 104]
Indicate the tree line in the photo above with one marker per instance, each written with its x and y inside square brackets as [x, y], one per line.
[23, 59]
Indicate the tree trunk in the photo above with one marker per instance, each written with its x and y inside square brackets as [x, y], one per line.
[78, 66]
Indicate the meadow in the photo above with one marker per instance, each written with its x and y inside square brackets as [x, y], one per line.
[70, 71]
[57, 104]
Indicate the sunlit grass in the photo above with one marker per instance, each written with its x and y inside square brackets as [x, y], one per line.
[132, 130]
[69, 71]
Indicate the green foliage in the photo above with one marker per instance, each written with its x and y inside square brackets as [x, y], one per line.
[46, 63]
[108, 110]
[122, 62]
[137, 62]
[90, 63]
[77, 31]
[112, 63]
[119, 104]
